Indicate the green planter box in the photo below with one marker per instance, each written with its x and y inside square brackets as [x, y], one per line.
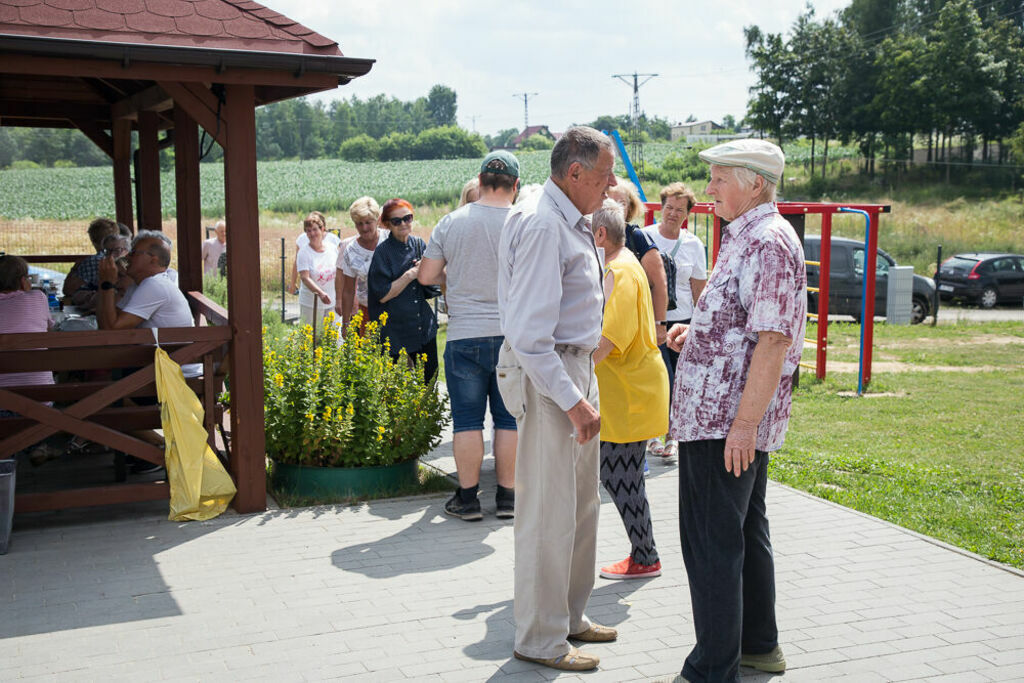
[352, 482]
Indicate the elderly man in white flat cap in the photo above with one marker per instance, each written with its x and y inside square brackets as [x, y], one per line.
[730, 408]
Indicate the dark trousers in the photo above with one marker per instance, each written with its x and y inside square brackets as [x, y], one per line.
[728, 555]
[671, 359]
[429, 349]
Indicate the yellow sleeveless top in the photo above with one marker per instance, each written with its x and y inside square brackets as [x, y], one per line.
[632, 379]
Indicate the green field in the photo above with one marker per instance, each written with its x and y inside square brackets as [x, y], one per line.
[934, 445]
[284, 186]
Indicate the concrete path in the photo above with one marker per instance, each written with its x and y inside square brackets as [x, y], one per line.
[395, 590]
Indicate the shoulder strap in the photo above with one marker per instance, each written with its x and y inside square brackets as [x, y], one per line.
[676, 248]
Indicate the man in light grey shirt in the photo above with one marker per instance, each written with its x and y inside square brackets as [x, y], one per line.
[463, 250]
[550, 301]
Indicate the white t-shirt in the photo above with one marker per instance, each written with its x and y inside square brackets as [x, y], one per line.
[691, 262]
[212, 249]
[159, 302]
[329, 238]
[321, 266]
[354, 261]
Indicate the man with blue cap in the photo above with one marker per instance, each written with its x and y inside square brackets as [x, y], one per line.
[730, 408]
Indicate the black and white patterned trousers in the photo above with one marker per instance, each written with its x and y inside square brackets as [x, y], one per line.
[622, 473]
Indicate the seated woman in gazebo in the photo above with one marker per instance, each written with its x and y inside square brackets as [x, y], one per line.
[23, 309]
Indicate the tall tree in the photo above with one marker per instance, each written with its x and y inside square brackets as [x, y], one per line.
[441, 105]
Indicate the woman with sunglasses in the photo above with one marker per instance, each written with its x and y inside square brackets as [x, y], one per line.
[393, 289]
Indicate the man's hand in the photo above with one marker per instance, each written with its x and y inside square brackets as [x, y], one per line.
[585, 420]
[660, 334]
[676, 336]
[739, 446]
[108, 269]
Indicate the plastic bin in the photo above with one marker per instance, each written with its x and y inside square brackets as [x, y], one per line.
[8, 468]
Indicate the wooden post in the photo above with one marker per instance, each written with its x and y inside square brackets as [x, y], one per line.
[248, 446]
[149, 172]
[122, 134]
[190, 220]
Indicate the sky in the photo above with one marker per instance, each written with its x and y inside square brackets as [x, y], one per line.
[567, 52]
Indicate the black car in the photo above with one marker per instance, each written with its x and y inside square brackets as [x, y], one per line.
[985, 279]
[846, 280]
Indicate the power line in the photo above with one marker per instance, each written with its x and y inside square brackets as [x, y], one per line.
[526, 106]
[636, 144]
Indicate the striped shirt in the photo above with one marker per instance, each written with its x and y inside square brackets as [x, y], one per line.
[22, 311]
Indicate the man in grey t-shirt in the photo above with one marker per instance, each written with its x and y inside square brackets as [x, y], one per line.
[463, 252]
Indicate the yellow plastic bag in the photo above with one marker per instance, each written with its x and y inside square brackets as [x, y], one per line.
[200, 487]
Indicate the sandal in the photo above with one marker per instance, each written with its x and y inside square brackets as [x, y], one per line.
[656, 447]
[671, 449]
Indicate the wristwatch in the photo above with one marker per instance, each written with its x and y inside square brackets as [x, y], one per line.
[107, 285]
[663, 323]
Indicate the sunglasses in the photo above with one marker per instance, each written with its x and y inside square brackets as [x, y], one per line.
[395, 221]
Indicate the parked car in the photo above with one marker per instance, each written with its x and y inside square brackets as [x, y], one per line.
[846, 280]
[984, 279]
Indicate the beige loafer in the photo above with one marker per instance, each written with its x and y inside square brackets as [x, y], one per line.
[573, 660]
[596, 634]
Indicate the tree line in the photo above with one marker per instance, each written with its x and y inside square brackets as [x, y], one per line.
[892, 75]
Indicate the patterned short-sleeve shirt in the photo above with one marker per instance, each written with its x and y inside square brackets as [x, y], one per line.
[759, 284]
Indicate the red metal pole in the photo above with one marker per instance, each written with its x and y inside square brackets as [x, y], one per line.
[824, 273]
[870, 263]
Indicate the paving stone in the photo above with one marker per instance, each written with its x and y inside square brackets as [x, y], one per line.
[395, 590]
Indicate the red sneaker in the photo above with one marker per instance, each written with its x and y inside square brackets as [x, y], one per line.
[628, 569]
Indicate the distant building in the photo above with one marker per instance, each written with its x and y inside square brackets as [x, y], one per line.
[530, 131]
[681, 130]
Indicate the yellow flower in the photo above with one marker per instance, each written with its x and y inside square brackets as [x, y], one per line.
[384, 318]
[309, 416]
[327, 413]
[318, 354]
[351, 409]
[279, 380]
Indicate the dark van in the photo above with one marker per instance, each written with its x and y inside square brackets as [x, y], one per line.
[846, 281]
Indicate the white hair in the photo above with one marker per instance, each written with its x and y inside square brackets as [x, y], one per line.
[612, 218]
[747, 179]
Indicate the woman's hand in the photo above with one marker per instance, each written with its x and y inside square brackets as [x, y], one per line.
[324, 297]
[413, 271]
[676, 337]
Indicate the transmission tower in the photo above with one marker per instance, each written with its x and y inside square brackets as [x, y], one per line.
[636, 147]
[526, 106]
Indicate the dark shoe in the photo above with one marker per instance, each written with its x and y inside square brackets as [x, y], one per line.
[140, 466]
[573, 660]
[505, 503]
[596, 634]
[43, 453]
[469, 510]
[773, 662]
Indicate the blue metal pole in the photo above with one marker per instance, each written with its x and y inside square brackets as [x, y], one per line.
[863, 295]
[624, 155]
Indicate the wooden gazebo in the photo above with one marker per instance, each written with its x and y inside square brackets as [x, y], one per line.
[161, 68]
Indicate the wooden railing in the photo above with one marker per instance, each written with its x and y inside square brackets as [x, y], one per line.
[97, 409]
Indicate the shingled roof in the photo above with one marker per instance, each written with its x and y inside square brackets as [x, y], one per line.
[221, 24]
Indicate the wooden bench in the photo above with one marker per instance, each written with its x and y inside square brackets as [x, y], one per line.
[96, 409]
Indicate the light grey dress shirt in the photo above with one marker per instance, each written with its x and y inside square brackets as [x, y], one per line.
[549, 289]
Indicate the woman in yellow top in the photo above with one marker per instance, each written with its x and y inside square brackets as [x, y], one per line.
[633, 387]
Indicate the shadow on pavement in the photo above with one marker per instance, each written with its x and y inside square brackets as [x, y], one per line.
[422, 547]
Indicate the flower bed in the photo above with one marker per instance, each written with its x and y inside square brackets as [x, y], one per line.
[347, 405]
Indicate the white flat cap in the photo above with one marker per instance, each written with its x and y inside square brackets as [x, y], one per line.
[760, 156]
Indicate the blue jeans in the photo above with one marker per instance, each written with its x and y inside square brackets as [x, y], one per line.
[471, 379]
[728, 556]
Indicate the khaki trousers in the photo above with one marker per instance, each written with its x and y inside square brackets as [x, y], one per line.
[557, 506]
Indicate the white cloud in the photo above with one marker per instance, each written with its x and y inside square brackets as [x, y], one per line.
[564, 51]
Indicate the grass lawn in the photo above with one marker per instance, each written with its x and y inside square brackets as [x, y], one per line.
[935, 445]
